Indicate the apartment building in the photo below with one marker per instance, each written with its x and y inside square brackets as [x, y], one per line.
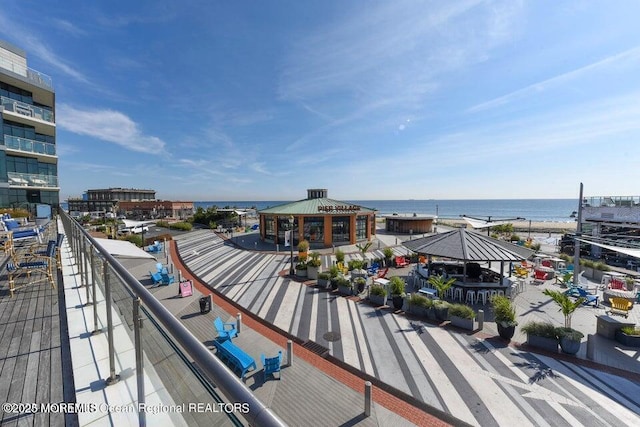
[28, 155]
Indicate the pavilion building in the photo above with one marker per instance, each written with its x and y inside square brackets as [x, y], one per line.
[321, 221]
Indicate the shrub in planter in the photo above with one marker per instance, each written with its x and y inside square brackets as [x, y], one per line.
[377, 295]
[397, 286]
[441, 309]
[542, 335]
[462, 316]
[504, 315]
[388, 255]
[339, 255]
[419, 304]
[344, 286]
[569, 339]
[323, 280]
[313, 265]
[301, 269]
[441, 284]
[354, 264]
[629, 336]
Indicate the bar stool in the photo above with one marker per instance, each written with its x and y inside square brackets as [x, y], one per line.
[457, 294]
[493, 293]
[483, 294]
[471, 296]
[500, 292]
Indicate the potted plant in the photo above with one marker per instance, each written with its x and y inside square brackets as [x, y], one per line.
[339, 256]
[313, 265]
[629, 336]
[323, 280]
[334, 272]
[441, 310]
[377, 295]
[504, 315]
[363, 248]
[419, 304]
[303, 247]
[344, 286]
[396, 289]
[388, 255]
[462, 316]
[569, 338]
[542, 335]
[301, 269]
[359, 284]
[441, 284]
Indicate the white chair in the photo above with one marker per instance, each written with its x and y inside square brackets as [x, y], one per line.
[457, 294]
[471, 296]
[482, 294]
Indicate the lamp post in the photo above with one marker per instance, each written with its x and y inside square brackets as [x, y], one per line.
[292, 271]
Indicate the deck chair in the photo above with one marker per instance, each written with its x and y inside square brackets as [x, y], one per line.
[156, 277]
[382, 273]
[225, 330]
[401, 261]
[373, 269]
[539, 277]
[271, 365]
[620, 306]
[27, 264]
[167, 278]
[581, 293]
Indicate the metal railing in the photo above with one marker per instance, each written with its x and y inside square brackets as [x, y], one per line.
[28, 110]
[34, 76]
[164, 349]
[29, 145]
[32, 179]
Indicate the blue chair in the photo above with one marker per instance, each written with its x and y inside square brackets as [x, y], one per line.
[225, 330]
[166, 278]
[271, 365]
[159, 267]
[581, 293]
[156, 277]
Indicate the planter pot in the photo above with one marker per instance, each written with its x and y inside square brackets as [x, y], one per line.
[506, 332]
[345, 290]
[378, 300]
[442, 313]
[627, 340]
[301, 273]
[569, 346]
[334, 284]
[361, 287]
[398, 302]
[312, 272]
[463, 323]
[418, 310]
[549, 344]
[431, 313]
[323, 283]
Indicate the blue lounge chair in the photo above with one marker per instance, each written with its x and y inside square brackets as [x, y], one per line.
[167, 279]
[156, 277]
[581, 293]
[271, 365]
[225, 330]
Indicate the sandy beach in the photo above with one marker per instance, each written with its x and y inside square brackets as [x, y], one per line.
[524, 226]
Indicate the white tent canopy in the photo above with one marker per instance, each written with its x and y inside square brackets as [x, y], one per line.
[123, 249]
[634, 252]
[481, 223]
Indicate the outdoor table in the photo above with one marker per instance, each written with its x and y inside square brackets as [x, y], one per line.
[431, 293]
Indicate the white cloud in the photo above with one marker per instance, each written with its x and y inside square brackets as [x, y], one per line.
[69, 27]
[108, 125]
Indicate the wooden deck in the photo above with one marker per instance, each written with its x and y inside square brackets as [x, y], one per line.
[34, 356]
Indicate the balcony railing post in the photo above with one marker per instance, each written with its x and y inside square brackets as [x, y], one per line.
[79, 260]
[86, 270]
[94, 282]
[137, 325]
[113, 378]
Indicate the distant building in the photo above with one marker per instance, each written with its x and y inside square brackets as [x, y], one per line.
[130, 202]
[319, 220]
[409, 224]
[28, 154]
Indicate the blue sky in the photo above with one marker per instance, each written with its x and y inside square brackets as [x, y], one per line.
[238, 100]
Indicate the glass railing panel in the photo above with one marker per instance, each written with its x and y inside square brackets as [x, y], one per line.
[29, 145]
[36, 77]
[32, 180]
[27, 109]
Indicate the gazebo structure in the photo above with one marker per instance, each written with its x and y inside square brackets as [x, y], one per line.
[469, 246]
[321, 221]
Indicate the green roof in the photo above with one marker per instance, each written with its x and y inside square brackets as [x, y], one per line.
[321, 206]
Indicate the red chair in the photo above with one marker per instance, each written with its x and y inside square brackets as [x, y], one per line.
[401, 261]
[540, 276]
[617, 284]
[382, 273]
[547, 263]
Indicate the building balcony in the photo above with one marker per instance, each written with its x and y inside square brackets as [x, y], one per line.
[26, 145]
[32, 180]
[27, 110]
[35, 77]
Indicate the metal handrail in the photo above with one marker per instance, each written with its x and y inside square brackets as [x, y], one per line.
[215, 371]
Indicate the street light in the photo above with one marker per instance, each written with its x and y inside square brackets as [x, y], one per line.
[291, 269]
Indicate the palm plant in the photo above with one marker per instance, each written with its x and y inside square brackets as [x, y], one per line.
[566, 304]
[363, 248]
[441, 284]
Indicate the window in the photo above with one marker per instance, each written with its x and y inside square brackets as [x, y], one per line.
[269, 229]
[340, 229]
[361, 227]
[314, 229]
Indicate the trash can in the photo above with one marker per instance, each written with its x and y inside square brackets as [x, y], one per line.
[205, 304]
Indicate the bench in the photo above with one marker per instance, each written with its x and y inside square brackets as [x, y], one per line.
[225, 330]
[234, 356]
[620, 306]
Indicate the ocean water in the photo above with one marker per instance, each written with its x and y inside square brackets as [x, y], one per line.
[558, 210]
